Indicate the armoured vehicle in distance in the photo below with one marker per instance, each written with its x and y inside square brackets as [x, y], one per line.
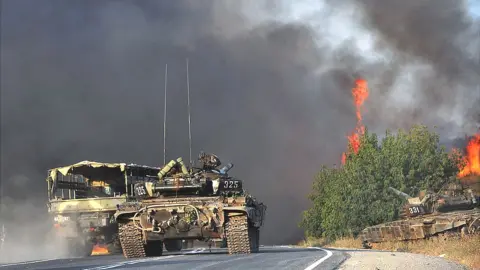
[83, 198]
[202, 203]
[453, 211]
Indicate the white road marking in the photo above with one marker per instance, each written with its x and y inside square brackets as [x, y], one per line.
[29, 262]
[132, 262]
[317, 263]
[228, 261]
[198, 250]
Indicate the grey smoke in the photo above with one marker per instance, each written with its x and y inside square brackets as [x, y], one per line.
[438, 43]
[84, 80]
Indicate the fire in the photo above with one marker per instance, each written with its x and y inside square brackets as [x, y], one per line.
[360, 94]
[100, 250]
[472, 159]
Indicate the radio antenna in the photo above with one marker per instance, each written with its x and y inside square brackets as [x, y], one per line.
[165, 119]
[189, 116]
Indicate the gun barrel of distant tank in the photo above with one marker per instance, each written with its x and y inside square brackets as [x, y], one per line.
[226, 168]
[398, 192]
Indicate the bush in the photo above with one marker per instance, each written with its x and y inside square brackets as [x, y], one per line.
[348, 199]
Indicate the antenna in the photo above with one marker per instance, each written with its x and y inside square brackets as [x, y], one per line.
[189, 117]
[165, 118]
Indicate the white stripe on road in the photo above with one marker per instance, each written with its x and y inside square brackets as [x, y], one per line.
[29, 262]
[317, 263]
[198, 250]
[132, 262]
[120, 264]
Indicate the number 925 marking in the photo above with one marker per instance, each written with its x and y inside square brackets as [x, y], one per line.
[230, 184]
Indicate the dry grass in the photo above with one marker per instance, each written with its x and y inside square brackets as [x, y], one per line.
[465, 250]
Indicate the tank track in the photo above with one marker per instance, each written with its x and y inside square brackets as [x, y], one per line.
[239, 240]
[131, 240]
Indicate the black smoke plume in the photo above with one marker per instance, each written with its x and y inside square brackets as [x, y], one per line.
[84, 80]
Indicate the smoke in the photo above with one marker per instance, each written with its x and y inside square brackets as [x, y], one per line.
[270, 86]
[437, 45]
[28, 235]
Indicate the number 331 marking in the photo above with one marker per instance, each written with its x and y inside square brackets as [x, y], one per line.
[414, 210]
[230, 184]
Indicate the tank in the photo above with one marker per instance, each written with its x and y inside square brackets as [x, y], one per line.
[182, 205]
[452, 210]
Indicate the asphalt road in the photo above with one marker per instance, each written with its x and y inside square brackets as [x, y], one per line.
[269, 257]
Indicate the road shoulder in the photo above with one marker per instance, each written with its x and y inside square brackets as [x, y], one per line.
[366, 259]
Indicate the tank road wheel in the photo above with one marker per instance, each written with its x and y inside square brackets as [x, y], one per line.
[173, 245]
[240, 238]
[131, 240]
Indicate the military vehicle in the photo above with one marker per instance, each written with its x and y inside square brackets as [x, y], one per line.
[202, 203]
[83, 198]
[452, 210]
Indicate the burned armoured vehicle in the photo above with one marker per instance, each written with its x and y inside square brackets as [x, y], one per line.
[202, 203]
[83, 198]
[452, 210]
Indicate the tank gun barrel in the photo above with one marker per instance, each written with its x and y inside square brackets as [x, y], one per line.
[399, 193]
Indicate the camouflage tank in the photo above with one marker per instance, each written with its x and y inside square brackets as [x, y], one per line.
[453, 210]
[198, 204]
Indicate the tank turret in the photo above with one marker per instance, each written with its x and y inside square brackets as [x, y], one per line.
[175, 179]
[453, 198]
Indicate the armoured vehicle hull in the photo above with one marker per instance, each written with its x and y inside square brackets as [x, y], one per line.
[85, 223]
[421, 227]
[456, 211]
[83, 199]
[207, 205]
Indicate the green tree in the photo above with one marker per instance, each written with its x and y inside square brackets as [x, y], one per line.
[347, 199]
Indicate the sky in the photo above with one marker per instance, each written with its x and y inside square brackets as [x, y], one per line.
[474, 7]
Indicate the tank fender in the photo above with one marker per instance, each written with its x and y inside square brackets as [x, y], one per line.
[235, 211]
[254, 214]
[124, 215]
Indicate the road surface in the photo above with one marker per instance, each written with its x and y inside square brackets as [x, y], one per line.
[269, 257]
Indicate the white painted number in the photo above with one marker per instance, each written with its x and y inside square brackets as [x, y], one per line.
[141, 191]
[414, 210]
[230, 184]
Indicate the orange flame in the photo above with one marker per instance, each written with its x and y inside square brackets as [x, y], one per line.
[360, 94]
[472, 159]
[100, 250]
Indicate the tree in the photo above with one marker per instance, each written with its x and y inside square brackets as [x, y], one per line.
[348, 199]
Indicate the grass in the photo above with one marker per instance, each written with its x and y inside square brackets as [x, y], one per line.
[461, 250]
